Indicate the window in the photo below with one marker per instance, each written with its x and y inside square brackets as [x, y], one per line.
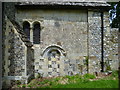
[26, 29]
[36, 33]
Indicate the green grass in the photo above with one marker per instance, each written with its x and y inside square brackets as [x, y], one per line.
[90, 84]
[77, 81]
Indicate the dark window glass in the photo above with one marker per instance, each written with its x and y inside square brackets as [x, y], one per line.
[26, 29]
[36, 33]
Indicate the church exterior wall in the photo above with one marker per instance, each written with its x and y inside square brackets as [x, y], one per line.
[73, 36]
[66, 29]
[78, 32]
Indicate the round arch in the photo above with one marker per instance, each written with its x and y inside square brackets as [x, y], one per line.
[53, 47]
[35, 22]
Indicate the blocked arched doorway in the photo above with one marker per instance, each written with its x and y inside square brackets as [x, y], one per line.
[54, 57]
[54, 63]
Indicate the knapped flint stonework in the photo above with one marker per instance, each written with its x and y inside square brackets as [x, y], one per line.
[16, 52]
[111, 61]
[94, 41]
[70, 41]
[16, 56]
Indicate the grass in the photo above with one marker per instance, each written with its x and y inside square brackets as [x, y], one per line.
[77, 81]
[90, 84]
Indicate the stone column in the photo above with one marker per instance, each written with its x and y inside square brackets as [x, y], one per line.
[94, 41]
[31, 32]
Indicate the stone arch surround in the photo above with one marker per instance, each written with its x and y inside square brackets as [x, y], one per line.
[55, 47]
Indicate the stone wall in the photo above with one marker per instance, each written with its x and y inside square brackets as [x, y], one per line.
[66, 29]
[9, 10]
[111, 61]
[94, 41]
[30, 61]
[15, 58]
[15, 51]
[77, 32]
